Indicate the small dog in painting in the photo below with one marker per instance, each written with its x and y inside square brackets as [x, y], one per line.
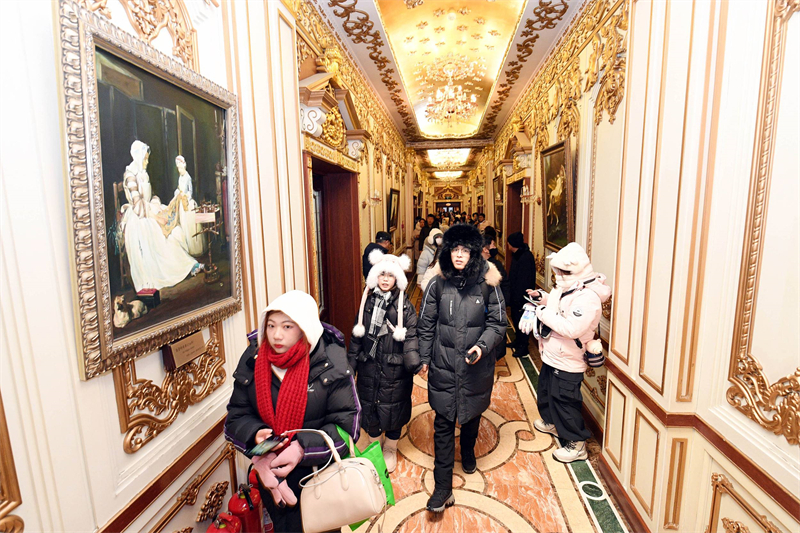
[125, 312]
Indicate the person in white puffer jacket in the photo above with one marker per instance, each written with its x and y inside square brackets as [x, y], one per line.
[564, 322]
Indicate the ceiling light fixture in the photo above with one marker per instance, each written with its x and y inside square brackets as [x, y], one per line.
[444, 157]
[448, 175]
[452, 104]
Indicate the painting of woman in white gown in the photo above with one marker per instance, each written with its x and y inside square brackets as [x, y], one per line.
[164, 166]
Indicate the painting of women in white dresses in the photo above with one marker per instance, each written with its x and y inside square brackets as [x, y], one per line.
[165, 192]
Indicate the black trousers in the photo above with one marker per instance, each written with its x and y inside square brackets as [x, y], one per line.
[559, 402]
[391, 435]
[520, 345]
[444, 442]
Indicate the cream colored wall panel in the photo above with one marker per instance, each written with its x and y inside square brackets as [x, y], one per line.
[607, 175]
[644, 480]
[731, 163]
[662, 222]
[656, 70]
[583, 162]
[637, 90]
[614, 433]
[776, 305]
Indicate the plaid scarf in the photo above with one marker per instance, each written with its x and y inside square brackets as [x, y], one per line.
[377, 323]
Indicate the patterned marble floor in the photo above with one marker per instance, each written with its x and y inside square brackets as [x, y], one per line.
[518, 487]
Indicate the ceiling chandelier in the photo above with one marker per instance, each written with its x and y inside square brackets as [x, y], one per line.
[452, 104]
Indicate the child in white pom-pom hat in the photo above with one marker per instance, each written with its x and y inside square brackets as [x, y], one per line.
[384, 352]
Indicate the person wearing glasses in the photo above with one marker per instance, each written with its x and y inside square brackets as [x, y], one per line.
[462, 321]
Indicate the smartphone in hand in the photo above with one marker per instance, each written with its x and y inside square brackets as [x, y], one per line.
[472, 357]
[266, 445]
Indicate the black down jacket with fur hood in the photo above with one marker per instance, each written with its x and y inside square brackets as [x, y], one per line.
[461, 309]
[385, 382]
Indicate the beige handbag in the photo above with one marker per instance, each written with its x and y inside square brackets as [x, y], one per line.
[342, 493]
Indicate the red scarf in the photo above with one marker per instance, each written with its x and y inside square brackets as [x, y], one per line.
[293, 394]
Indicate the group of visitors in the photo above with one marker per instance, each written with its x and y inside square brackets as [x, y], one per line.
[297, 372]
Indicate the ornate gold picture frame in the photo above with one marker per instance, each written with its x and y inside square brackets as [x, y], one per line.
[193, 235]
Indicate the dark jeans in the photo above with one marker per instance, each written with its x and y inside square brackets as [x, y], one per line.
[444, 442]
[520, 345]
[560, 400]
[393, 435]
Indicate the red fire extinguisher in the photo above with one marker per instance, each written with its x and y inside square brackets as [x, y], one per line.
[225, 523]
[246, 506]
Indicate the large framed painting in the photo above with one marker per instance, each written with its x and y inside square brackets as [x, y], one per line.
[558, 196]
[153, 185]
[393, 208]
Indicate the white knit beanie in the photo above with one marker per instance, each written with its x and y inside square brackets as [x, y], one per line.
[301, 308]
[396, 266]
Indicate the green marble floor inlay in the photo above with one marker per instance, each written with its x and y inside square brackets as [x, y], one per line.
[602, 511]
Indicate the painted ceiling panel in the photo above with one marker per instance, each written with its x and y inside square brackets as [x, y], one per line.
[463, 43]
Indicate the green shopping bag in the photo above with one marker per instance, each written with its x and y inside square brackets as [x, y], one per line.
[375, 455]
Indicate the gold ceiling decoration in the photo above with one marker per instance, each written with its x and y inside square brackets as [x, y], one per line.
[448, 174]
[439, 30]
[545, 17]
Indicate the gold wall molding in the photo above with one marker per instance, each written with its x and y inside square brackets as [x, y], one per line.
[189, 495]
[599, 23]
[674, 495]
[775, 406]
[146, 409]
[328, 154]
[188, 529]
[10, 496]
[648, 506]
[733, 526]
[333, 130]
[720, 486]
[149, 17]
[215, 498]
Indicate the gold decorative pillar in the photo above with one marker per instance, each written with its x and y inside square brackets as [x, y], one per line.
[10, 497]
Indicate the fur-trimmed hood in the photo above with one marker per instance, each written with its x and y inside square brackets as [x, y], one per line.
[491, 275]
[469, 237]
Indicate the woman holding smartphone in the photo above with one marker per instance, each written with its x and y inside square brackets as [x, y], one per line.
[296, 376]
[462, 320]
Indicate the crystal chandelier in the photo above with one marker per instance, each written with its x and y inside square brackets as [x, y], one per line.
[452, 104]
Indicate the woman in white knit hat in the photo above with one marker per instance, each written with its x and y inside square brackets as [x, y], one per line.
[384, 352]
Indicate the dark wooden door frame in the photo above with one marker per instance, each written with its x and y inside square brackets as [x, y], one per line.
[513, 208]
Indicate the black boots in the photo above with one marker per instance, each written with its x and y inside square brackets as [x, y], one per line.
[440, 500]
[468, 462]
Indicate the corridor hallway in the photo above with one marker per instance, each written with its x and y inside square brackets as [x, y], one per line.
[518, 487]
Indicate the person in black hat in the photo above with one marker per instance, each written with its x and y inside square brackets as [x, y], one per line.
[521, 277]
[383, 241]
[462, 321]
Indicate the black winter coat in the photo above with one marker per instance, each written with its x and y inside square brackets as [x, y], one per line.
[331, 401]
[521, 276]
[384, 383]
[453, 319]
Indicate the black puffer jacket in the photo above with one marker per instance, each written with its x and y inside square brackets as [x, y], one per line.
[522, 276]
[385, 382]
[331, 401]
[461, 310]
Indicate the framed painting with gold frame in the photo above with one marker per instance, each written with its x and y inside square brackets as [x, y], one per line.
[558, 196]
[153, 190]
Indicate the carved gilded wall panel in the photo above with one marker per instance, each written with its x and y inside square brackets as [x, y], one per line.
[146, 409]
[10, 497]
[775, 406]
[722, 486]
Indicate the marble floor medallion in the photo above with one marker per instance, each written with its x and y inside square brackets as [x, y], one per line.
[518, 487]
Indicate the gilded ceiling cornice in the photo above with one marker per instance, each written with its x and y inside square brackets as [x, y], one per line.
[546, 16]
[361, 30]
[384, 135]
[600, 22]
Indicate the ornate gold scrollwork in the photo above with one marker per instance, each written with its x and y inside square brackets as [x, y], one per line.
[607, 308]
[570, 122]
[612, 64]
[146, 409]
[188, 529]
[215, 497]
[149, 17]
[10, 496]
[776, 406]
[721, 485]
[304, 51]
[333, 130]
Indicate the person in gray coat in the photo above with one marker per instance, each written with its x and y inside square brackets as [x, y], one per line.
[432, 243]
[462, 321]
